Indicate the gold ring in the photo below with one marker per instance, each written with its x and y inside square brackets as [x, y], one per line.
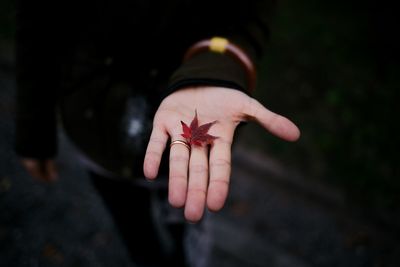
[181, 143]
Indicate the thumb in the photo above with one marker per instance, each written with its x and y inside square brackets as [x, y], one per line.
[33, 167]
[50, 169]
[274, 123]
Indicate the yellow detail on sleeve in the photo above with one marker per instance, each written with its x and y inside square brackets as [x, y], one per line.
[218, 44]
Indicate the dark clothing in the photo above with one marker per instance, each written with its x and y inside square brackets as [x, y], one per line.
[100, 62]
[67, 46]
[139, 229]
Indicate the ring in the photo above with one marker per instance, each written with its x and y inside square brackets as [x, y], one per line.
[181, 143]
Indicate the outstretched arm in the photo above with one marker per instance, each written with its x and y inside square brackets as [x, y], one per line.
[200, 177]
[212, 82]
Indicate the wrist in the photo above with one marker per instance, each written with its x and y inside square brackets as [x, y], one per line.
[221, 45]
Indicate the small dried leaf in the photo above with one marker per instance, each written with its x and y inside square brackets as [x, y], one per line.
[198, 135]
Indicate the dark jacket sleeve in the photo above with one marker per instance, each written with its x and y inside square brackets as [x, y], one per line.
[245, 24]
[36, 81]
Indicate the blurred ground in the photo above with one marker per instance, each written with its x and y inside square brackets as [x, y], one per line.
[274, 216]
[329, 200]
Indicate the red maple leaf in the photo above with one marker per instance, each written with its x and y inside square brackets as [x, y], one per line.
[197, 135]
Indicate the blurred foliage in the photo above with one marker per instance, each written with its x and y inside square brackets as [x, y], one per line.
[332, 67]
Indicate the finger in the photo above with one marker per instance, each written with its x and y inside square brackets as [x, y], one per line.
[34, 168]
[50, 169]
[274, 123]
[154, 151]
[220, 171]
[178, 173]
[198, 180]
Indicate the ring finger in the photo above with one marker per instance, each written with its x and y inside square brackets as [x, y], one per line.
[178, 173]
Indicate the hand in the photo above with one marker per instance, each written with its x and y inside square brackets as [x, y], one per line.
[43, 170]
[201, 176]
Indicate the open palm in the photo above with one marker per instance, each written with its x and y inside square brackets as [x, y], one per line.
[200, 177]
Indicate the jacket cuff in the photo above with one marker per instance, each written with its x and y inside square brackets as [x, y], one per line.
[209, 68]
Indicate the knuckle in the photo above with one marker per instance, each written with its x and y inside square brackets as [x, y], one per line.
[198, 168]
[178, 158]
[220, 180]
[178, 177]
[224, 141]
[156, 141]
[153, 154]
[197, 190]
[220, 162]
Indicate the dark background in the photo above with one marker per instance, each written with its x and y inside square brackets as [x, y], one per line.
[333, 67]
[330, 199]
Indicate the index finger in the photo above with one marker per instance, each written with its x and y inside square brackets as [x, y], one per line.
[154, 151]
[220, 171]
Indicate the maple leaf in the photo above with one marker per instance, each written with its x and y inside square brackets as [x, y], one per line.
[197, 135]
